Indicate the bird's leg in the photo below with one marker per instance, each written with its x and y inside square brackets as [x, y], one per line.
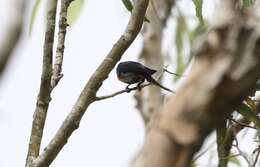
[139, 85]
[128, 89]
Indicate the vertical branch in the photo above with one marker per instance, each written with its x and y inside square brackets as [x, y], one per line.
[44, 98]
[57, 69]
[50, 77]
[149, 100]
[221, 144]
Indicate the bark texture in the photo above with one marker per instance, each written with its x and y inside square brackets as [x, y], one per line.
[226, 68]
[150, 99]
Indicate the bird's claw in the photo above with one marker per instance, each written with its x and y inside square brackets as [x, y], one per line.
[128, 90]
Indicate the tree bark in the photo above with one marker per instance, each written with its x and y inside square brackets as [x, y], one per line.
[150, 99]
[226, 68]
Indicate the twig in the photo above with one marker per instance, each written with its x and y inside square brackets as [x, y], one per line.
[166, 70]
[256, 158]
[56, 76]
[13, 33]
[243, 124]
[45, 87]
[98, 98]
[230, 156]
[236, 145]
[88, 95]
[203, 152]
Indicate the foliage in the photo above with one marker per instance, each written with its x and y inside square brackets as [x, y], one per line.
[198, 6]
[33, 15]
[74, 11]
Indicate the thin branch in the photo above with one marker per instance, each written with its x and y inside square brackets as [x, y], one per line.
[243, 124]
[98, 98]
[230, 156]
[256, 159]
[14, 29]
[240, 152]
[44, 98]
[166, 70]
[88, 95]
[57, 69]
[203, 152]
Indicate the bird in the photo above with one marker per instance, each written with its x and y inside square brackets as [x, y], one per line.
[132, 72]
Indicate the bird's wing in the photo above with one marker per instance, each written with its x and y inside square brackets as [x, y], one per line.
[138, 68]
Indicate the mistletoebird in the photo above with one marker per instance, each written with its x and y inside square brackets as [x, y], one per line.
[131, 72]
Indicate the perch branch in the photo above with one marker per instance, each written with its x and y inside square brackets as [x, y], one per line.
[98, 98]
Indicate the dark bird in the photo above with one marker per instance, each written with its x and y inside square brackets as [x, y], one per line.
[131, 72]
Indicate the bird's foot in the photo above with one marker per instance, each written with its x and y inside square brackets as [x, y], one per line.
[139, 86]
[128, 90]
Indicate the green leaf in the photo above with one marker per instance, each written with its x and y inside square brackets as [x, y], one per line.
[74, 11]
[33, 15]
[247, 3]
[128, 5]
[198, 7]
[246, 111]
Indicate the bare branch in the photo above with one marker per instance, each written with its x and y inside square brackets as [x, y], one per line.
[240, 152]
[57, 69]
[166, 70]
[256, 158]
[98, 98]
[44, 98]
[50, 77]
[243, 124]
[88, 95]
[12, 35]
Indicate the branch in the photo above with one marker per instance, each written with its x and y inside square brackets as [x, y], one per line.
[166, 70]
[227, 67]
[243, 124]
[256, 158]
[14, 29]
[56, 75]
[44, 98]
[88, 95]
[121, 92]
[240, 152]
[221, 144]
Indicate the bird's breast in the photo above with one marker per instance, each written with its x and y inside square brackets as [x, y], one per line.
[130, 78]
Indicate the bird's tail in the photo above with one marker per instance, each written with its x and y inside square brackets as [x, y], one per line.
[153, 81]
